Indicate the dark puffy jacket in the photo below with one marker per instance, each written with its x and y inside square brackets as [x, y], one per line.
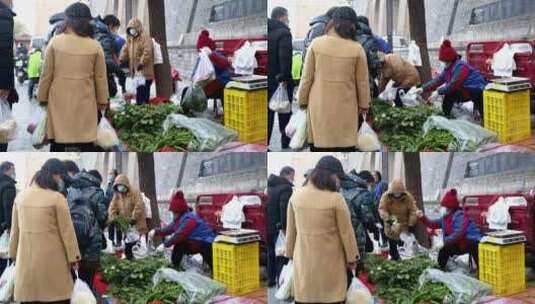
[56, 21]
[8, 192]
[279, 193]
[7, 62]
[361, 206]
[317, 29]
[106, 39]
[280, 53]
[366, 38]
[87, 187]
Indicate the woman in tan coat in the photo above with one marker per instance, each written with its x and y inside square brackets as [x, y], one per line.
[74, 83]
[334, 85]
[43, 243]
[138, 52]
[399, 70]
[398, 211]
[320, 239]
[127, 202]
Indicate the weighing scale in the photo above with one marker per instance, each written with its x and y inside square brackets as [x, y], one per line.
[248, 83]
[238, 236]
[504, 237]
[509, 84]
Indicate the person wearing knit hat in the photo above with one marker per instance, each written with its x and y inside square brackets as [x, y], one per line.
[458, 83]
[187, 233]
[461, 234]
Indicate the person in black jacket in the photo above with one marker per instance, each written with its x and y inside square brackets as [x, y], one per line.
[8, 192]
[317, 28]
[279, 193]
[280, 53]
[7, 61]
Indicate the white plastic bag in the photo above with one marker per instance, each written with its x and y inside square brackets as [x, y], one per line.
[285, 290]
[141, 249]
[232, 214]
[106, 136]
[8, 125]
[415, 57]
[280, 245]
[367, 139]
[498, 216]
[132, 235]
[409, 244]
[389, 94]
[82, 294]
[130, 86]
[411, 98]
[157, 48]
[280, 101]
[7, 284]
[39, 138]
[358, 293]
[300, 135]
[204, 70]
[4, 245]
[503, 61]
[146, 202]
[293, 124]
[245, 60]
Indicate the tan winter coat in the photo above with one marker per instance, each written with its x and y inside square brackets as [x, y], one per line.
[399, 70]
[44, 243]
[321, 241]
[403, 210]
[334, 85]
[139, 50]
[130, 205]
[73, 83]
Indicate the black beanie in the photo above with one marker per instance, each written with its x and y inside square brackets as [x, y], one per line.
[78, 10]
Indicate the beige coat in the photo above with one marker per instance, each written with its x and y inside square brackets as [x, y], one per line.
[403, 210]
[44, 243]
[130, 205]
[73, 83]
[139, 50]
[334, 85]
[399, 70]
[321, 241]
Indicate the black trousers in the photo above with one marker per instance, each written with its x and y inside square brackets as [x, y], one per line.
[143, 93]
[87, 272]
[393, 249]
[457, 97]
[284, 118]
[275, 263]
[115, 235]
[129, 250]
[339, 149]
[453, 250]
[79, 147]
[31, 86]
[192, 247]
[397, 100]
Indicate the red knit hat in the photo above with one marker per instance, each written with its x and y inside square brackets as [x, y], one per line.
[178, 204]
[447, 52]
[204, 40]
[450, 200]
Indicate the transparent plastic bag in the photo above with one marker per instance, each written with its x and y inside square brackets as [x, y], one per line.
[389, 94]
[463, 288]
[132, 235]
[81, 293]
[299, 138]
[39, 136]
[204, 69]
[245, 61]
[106, 136]
[285, 290]
[141, 249]
[468, 136]
[367, 139]
[411, 98]
[4, 245]
[130, 86]
[358, 293]
[197, 288]
[498, 216]
[280, 245]
[7, 284]
[8, 125]
[158, 57]
[209, 135]
[194, 99]
[280, 101]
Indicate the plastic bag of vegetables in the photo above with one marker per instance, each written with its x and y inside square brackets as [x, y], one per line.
[197, 288]
[194, 99]
[358, 293]
[286, 278]
[7, 284]
[367, 139]
[209, 135]
[82, 294]
[106, 136]
[280, 101]
[39, 138]
[299, 136]
[8, 125]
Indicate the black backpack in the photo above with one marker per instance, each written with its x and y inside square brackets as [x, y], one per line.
[83, 217]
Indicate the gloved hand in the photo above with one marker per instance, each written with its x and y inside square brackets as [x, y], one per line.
[160, 248]
[151, 234]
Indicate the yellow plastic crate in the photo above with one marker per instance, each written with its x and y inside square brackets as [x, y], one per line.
[503, 267]
[246, 112]
[508, 114]
[237, 266]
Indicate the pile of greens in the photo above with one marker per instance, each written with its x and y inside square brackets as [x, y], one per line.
[141, 128]
[121, 222]
[131, 281]
[397, 281]
[400, 129]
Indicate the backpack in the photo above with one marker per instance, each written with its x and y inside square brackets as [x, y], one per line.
[83, 217]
